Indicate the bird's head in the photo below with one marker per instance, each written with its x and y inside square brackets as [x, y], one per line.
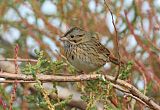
[77, 35]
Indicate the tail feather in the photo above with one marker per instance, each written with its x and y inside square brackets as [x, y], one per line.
[115, 61]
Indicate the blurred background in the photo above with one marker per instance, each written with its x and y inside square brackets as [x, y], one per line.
[38, 24]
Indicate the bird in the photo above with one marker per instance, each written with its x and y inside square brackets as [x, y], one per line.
[84, 51]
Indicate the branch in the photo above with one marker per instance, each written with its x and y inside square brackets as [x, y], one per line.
[53, 78]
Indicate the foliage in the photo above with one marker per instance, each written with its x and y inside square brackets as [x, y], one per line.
[124, 74]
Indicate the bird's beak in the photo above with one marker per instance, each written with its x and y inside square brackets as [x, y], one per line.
[63, 38]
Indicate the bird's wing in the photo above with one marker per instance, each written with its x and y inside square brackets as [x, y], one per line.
[99, 47]
[102, 49]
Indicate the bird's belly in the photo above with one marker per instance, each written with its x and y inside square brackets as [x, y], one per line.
[84, 58]
[83, 65]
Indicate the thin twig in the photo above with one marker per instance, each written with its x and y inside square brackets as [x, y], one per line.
[141, 68]
[18, 81]
[126, 92]
[116, 41]
[137, 38]
[19, 60]
[136, 98]
[13, 94]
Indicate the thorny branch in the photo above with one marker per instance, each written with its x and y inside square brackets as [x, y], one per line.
[127, 88]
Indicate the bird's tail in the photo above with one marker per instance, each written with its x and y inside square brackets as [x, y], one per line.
[115, 60]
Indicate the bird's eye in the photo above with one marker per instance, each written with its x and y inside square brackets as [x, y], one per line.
[72, 36]
[81, 35]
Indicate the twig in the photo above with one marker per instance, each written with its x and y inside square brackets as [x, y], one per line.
[18, 81]
[53, 78]
[3, 104]
[13, 94]
[142, 70]
[136, 98]
[126, 92]
[19, 60]
[139, 41]
[116, 41]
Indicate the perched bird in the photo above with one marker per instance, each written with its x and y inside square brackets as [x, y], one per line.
[84, 50]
